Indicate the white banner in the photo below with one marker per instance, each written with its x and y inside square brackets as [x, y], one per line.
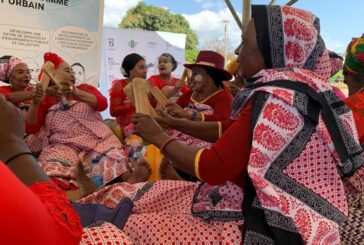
[70, 28]
[117, 43]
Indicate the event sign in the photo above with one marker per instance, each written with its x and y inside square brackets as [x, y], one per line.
[70, 28]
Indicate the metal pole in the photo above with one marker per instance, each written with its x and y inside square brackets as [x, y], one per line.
[226, 22]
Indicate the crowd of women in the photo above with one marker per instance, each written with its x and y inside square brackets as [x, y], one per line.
[275, 164]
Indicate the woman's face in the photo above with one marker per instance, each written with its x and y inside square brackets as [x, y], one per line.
[20, 77]
[79, 74]
[139, 70]
[65, 73]
[250, 58]
[165, 65]
[199, 79]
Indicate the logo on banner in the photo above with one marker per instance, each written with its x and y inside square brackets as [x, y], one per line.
[151, 45]
[132, 43]
[111, 42]
[112, 62]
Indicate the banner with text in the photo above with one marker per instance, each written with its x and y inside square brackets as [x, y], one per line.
[70, 28]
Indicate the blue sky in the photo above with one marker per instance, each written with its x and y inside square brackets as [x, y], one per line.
[340, 20]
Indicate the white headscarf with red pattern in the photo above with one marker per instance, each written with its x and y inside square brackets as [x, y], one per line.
[7, 66]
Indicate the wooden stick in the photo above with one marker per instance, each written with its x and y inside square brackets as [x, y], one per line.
[290, 3]
[48, 68]
[246, 12]
[159, 97]
[140, 90]
[45, 79]
[128, 90]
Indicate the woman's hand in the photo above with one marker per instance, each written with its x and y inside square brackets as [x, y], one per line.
[179, 84]
[165, 120]
[54, 91]
[147, 128]
[37, 94]
[175, 110]
[69, 90]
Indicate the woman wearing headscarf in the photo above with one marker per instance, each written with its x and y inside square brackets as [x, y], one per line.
[133, 66]
[292, 139]
[171, 86]
[354, 78]
[76, 134]
[17, 74]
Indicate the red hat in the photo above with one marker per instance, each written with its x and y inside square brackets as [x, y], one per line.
[212, 61]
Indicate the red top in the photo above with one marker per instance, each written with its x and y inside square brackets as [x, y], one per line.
[220, 102]
[6, 90]
[356, 104]
[120, 105]
[228, 158]
[39, 215]
[158, 82]
[49, 101]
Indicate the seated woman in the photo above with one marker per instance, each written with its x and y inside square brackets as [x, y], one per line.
[276, 145]
[172, 87]
[78, 134]
[133, 66]
[208, 99]
[28, 194]
[17, 74]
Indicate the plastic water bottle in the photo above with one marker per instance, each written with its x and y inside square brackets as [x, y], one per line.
[96, 172]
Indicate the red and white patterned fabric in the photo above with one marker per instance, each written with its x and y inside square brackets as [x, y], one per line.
[7, 68]
[306, 186]
[162, 213]
[79, 135]
[106, 233]
[295, 167]
[187, 139]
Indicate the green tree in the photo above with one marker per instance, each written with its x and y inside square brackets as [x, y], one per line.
[152, 18]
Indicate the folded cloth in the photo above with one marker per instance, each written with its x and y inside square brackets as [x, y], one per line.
[92, 214]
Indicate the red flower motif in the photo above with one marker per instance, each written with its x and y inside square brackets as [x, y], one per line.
[258, 182]
[280, 116]
[303, 222]
[321, 232]
[297, 12]
[257, 158]
[295, 28]
[268, 137]
[267, 200]
[284, 204]
[294, 52]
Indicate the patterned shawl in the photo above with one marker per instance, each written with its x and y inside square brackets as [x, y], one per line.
[303, 139]
[354, 61]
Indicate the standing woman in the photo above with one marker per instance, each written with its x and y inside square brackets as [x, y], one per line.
[133, 66]
[171, 86]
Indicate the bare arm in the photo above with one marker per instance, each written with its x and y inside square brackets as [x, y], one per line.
[207, 131]
[86, 97]
[20, 96]
[25, 167]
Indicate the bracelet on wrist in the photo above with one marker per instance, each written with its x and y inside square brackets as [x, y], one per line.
[167, 142]
[16, 156]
